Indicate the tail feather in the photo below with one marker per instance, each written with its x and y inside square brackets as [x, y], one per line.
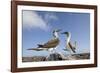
[39, 45]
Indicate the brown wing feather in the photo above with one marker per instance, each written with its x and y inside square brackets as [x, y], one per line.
[36, 49]
[52, 43]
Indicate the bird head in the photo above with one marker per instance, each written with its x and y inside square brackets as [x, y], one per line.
[55, 32]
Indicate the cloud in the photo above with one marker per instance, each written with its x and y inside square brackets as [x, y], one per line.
[49, 17]
[33, 20]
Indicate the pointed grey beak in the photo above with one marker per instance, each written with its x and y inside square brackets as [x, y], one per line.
[64, 33]
[58, 30]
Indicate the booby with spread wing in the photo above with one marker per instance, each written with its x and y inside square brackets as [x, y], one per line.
[51, 44]
[69, 46]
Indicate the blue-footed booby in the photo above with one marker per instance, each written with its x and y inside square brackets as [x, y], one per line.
[69, 46]
[51, 44]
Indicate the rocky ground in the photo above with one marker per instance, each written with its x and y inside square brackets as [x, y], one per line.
[57, 57]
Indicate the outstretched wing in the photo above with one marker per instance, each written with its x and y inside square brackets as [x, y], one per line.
[36, 49]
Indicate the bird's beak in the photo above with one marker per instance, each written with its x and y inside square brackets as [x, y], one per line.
[58, 30]
[63, 33]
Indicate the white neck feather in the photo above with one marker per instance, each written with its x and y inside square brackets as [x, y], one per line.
[55, 35]
[68, 38]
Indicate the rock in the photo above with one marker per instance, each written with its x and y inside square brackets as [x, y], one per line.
[34, 59]
[54, 57]
[57, 57]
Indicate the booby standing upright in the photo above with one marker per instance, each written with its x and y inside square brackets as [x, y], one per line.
[69, 46]
[51, 44]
